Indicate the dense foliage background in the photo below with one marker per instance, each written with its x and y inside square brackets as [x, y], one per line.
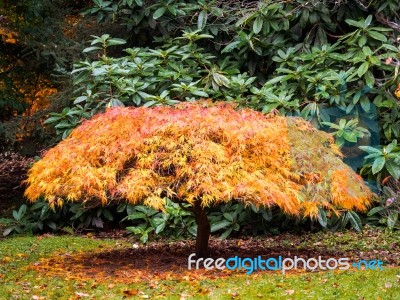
[335, 63]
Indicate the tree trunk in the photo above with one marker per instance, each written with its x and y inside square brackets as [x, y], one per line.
[203, 231]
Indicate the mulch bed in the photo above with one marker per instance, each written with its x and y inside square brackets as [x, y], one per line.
[13, 170]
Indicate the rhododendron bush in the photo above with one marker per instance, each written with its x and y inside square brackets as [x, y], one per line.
[200, 153]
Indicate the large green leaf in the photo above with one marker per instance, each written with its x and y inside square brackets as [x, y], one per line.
[355, 220]
[354, 23]
[377, 36]
[231, 46]
[159, 13]
[322, 220]
[370, 149]
[369, 78]
[378, 164]
[115, 42]
[375, 210]
[226, 233]
[365, 103]
[392, 219]
[202, 19]
[220, 225]
[393, 169]
[137, 215]
[257, 25]
[363, 68]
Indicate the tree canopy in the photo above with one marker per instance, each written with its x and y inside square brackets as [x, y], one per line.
[201, 153]
[204, 152]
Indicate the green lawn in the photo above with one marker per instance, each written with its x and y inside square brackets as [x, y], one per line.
[19, 282]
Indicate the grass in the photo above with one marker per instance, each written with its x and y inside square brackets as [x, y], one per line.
[19, 282]
[372, 238]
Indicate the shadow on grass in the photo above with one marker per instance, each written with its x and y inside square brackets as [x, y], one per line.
[163, 260]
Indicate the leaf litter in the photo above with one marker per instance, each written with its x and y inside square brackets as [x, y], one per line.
[165, 260]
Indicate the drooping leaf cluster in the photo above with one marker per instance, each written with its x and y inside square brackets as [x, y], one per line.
[201, 153]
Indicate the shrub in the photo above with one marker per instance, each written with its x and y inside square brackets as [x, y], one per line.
[387, 212]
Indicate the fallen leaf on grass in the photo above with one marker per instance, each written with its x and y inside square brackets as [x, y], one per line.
[289, 292]
[202, 291]
[183, 296]
[153, 285]
[81, 294]
[131, 292]
[388, 285]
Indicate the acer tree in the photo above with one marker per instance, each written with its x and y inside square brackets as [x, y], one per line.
[200, 153]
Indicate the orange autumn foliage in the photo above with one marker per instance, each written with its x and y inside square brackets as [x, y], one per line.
[202, 152]
[8, 36]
